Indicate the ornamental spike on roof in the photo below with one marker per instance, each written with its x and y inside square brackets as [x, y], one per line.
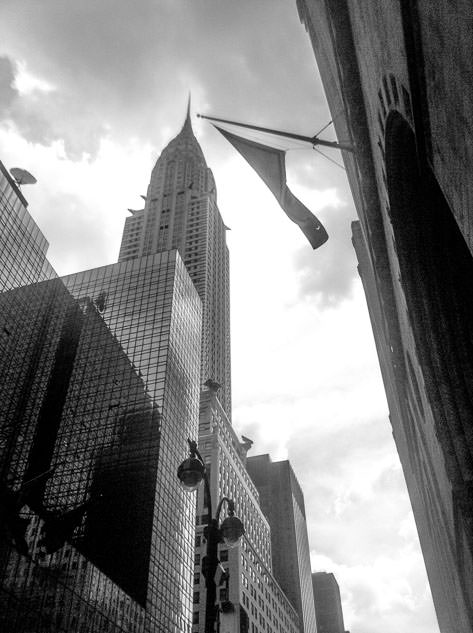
[185, 141]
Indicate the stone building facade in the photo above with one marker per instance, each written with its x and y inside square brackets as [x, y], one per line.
[259, 603]
[398, 79]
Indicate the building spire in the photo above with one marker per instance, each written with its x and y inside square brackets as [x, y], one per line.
[189, 106]
[188, 123]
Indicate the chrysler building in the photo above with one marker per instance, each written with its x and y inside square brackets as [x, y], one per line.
[181, 213]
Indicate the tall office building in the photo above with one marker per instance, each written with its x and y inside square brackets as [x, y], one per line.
[181, 212]
[101, 387]
[328, 605]
[99, 394]
[397, 76]
[152, 308]
[22, 245]
[62, 438]
[174, 340]
[282, 502]
[258, 602]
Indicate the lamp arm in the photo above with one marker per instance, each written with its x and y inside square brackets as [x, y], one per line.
[231, 507]
[207, 497]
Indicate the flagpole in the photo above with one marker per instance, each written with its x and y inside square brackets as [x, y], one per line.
[313, 140]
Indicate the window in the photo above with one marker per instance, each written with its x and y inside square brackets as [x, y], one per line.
[223, 595]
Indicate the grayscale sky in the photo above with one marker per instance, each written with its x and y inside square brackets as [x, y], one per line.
[90, 92]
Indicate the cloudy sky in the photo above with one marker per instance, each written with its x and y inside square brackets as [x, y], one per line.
[90, 92]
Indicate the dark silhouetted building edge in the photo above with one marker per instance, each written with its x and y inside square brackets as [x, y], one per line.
[398, 81]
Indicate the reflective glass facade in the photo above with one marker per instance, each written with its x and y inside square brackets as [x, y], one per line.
[152, 308]
[22, 245]
[99, 392]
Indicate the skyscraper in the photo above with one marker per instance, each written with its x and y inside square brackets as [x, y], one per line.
[282, 502]
[153, 309]
[258, 602]
[99, 393]
[150, 308]
[328, 605]
[61, 434]
[22, 245]
[181, 212]
[104, 395]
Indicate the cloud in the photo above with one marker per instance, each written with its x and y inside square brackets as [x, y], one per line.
[42, 121]
[73, 223]
[8, 92]
[358, 514]
[136, 67]
[327, 274]
[361, 526]
[77, 205]
[389, 595]
[359, 519]
[44, 116]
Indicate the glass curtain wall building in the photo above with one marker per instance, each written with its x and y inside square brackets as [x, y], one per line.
[152, 308]
[60, 436]
[22, 245]
[98, 395]
[181, 212]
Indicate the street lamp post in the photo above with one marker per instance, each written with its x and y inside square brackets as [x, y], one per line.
[190, 473]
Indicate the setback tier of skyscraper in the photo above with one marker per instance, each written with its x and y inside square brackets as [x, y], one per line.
[181, 212]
